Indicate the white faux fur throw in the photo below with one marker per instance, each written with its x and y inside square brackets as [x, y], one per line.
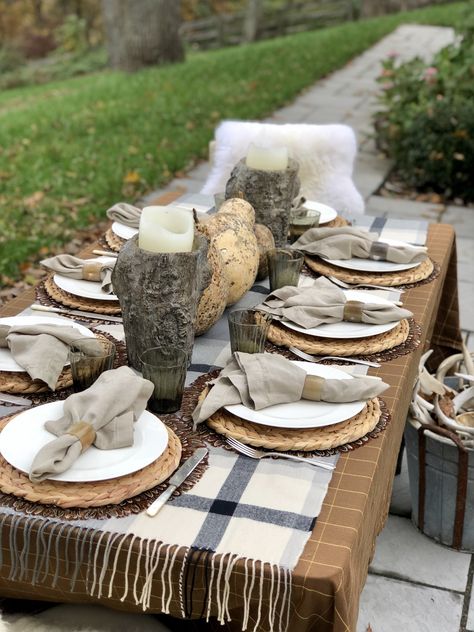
[325, 153]
[75, 618]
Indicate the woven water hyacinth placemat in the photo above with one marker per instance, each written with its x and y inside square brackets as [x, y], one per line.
[343, 437]
[91, 494]
[112, 241]
[426, 272]
[21, 383]
[101, 499]
[62, 298]
[401, 340]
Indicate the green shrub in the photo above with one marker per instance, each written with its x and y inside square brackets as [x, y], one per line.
[427, 121]
[10, 59]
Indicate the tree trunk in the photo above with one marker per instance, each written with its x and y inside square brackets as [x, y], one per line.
[142, 32]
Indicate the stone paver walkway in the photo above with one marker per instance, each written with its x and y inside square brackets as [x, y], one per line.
[414, 584]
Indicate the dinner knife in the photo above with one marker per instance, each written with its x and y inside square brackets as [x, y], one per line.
[14, 399]
[75, 312]
[176, 480]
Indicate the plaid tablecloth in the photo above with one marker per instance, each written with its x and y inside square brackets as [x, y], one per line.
[331, 570]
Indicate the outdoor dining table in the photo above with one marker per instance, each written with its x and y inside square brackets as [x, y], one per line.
[330, 574]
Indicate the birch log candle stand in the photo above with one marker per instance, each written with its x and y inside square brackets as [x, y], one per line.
[271, 193]
[159, 294]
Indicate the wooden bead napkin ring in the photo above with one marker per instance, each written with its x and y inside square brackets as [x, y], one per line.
[84, 432]
[378, 251]
[313, 386]
[353, 311]
[91, 271]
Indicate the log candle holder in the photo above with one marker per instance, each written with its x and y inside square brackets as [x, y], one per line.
[271, 193]
[159, 294]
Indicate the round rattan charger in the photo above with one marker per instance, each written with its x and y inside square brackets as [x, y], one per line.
[305, 440]
[427, 270]
[95, 493]
[78, 302]
[113, 241]
[342, 437]
[21, 383]
[402, 339]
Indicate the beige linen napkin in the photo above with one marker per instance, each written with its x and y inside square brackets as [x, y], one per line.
[42, 350]
[76, 268]
[103, 416]
[258, 380]
[323, 303]
[125, 214]
[347, 242]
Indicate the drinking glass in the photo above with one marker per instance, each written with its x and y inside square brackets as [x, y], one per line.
[166, 367]
[89, 357]
[301, 220]
[284, 267]
[248, 330]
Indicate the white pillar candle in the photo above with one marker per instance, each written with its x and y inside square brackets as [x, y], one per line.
[267, 158]
[166, 229]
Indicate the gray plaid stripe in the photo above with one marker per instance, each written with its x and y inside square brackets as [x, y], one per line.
[377, 225]
[214, 525]
[253, 512]
[412, 231]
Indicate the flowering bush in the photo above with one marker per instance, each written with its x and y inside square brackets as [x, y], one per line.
[426, 123]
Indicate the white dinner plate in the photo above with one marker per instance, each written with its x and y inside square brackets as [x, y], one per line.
[85, 289]
[327, 213]
[304, 413]
[347, 329]
[150, 439]
[7, 363]
[123, 231]
[369, 265]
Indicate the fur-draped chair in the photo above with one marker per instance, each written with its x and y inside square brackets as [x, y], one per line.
[325, 153]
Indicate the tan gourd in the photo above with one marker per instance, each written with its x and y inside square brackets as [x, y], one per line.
[214, 298]
[265, 243]
[238, 246]
[240, 208]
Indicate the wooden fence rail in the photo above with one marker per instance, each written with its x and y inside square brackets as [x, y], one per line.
[228, 29]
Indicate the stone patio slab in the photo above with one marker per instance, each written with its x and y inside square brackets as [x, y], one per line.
[404, 553]
[389, 605]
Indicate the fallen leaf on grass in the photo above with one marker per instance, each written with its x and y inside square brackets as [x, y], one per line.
[32, 201]
[132, 177]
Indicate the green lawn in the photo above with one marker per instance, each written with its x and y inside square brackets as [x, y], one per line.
[70, 149]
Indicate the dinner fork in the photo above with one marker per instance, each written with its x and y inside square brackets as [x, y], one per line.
[260, 454]
[311, 358]
[352, 286]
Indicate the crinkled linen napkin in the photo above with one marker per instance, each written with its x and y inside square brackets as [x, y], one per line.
[76, 268]
[125, 214]
[42, 350]
[347, 242]
[323, 303]
[258, 380]
[103, 415]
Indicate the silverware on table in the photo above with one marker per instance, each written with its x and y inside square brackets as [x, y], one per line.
[76, 312]
[353, 286]
[316, 359]
[105, 253]
[15, 399]
[253, 453]
[175, 481]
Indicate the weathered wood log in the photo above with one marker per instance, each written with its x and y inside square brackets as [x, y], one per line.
[159, 294]
[269, 192]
